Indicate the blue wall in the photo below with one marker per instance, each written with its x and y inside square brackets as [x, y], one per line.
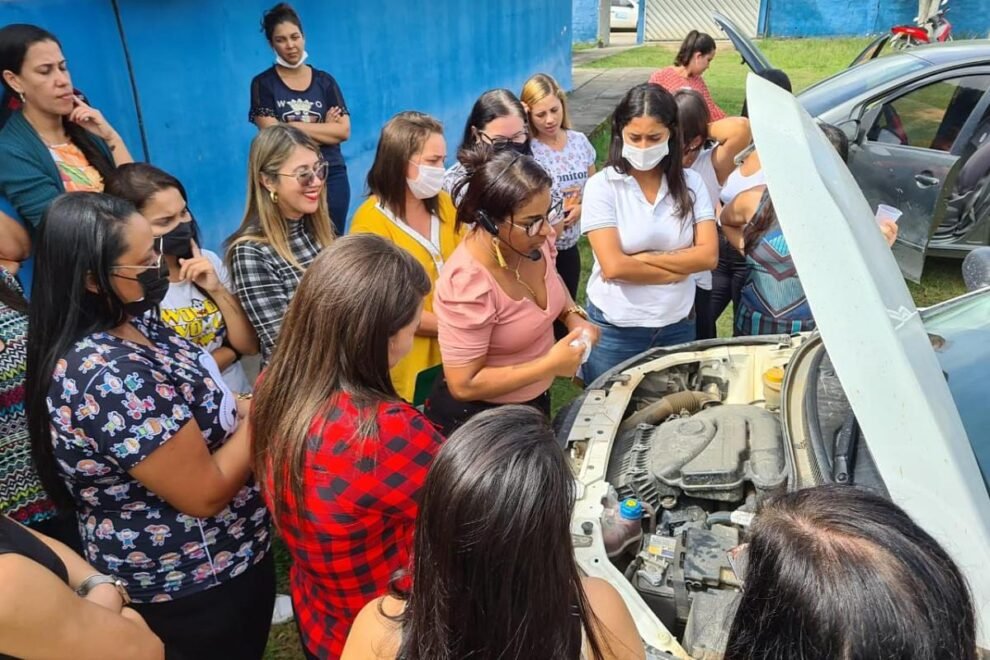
[822, 18]
[585, 21]
[193, 62]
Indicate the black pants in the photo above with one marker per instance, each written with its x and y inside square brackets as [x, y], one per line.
[704, 319]
[727, 279]
[228, 621]
[338, 197]
[569, 267]
[448, 414]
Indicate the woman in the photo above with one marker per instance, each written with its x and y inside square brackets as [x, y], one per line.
[43, 615]
[200, 305]
[693, 58]
[285, 226]
[498, 120]
[710, 149]
[839, 572]
[499, 295]
[568, 158]
[651, 227]
[56, 142]
[476, 590]
[342, 458]
[408, 207]
[134, 428]
[294, 92]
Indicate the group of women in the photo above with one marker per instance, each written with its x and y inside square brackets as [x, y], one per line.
[457, 289]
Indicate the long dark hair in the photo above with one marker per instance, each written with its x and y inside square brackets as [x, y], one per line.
[491, 105]
[280, 13]
[355, 295]
[838, 572]
[498, 494]
[694, 42]
[693, 115]
[80, 239]
[777, 77]
[139, 182]
[648, 100]
[402, 137]
[497, 184]
[15, 40]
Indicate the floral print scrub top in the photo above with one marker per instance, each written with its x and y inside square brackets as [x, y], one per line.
[113, 402]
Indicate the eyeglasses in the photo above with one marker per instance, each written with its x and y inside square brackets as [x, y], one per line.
[554, 216]
[499, 141]
[309, 177]
[157, 264]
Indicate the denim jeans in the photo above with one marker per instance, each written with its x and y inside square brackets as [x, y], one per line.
[338, 197]
[617, 344]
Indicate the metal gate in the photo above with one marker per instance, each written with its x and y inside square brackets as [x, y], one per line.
[671, 20]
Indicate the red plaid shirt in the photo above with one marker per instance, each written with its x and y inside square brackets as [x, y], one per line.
[358, 512]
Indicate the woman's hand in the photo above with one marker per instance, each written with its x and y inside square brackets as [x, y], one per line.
[92, 120]
[243, 402]
[572, 216]
[199, 271]
[106, 595]
[564, 359]
[575, 321]
[889, 230]
[334, 114]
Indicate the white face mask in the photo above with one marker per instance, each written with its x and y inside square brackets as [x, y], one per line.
[645, 159]
[428, 183]
[279, 61]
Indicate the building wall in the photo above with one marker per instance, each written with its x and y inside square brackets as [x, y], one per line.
[822, 18]
[585, 21]
[193, 61]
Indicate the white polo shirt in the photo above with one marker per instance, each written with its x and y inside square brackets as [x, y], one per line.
[616, 200]
[704, 166]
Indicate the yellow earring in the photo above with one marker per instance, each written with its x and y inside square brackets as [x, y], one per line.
[498, 254]
[272, 195]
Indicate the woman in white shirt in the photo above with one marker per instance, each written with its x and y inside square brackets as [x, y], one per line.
[200, 305]
[651, 226]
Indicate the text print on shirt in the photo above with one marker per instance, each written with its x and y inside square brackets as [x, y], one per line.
[300, 110]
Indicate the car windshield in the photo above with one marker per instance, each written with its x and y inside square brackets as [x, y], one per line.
[960, 334]
[852, 82]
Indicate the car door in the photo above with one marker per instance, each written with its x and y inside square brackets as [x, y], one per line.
[904, 155]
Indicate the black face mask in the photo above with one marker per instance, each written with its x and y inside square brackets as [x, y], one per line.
[154, 284]
[178, 242]
[523, 148]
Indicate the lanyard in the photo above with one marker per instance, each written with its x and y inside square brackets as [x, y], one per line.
[432, 246]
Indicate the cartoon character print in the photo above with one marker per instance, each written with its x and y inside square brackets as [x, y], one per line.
[119, 491]
[64, 420]
[173, 580]
[60, 368]
[165, 391]
[127, 538]
[91, 468]
[105, 531]
[243, 496]
[132, 381]
[161, 598]
[158, 376]
[115, 423]
[148, 429]
[237, 528]
[145, 579]
[202, 572]
[223, 560]
[125, 448]
[211, 535]
[90, 526]
[158, 534]
[240, 568]
[136, 408]
[111, 385]
[226, 516]
[69, 389]
[246, 551]
[113, 562]
[169, 561]
[89, 409]
[189, 522]
[138, 559]
[92, 361]
[193, 550]
[89, 496]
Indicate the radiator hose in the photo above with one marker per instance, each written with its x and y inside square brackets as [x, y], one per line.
[666, 406]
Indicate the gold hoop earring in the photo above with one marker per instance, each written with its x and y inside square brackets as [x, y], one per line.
[272, 195]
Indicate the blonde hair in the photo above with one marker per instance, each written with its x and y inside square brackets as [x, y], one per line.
[263, 222]
[539, 87]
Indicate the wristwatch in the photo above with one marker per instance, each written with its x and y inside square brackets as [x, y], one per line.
[573, 309]
[98, 579]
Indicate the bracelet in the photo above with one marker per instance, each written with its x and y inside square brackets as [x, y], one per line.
[573, 309]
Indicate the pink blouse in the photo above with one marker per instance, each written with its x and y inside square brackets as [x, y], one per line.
[476, 318]
[670, 80]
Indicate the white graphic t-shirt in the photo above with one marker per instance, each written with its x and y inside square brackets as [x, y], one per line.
[569, 170]
[196, 318]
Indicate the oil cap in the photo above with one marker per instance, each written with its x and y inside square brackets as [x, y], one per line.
[631, 509]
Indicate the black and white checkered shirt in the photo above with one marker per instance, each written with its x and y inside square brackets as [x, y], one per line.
[265, 282]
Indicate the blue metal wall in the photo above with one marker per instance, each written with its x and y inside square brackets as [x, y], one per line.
[824, 18]
[193, 62]
[585, 21]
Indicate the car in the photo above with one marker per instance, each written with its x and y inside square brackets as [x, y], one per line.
[880, 396]
[915, 120]
[624, 15]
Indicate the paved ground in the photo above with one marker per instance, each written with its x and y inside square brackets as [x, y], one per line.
[597, 91]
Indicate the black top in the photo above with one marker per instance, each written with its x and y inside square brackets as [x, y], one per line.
[271, 97]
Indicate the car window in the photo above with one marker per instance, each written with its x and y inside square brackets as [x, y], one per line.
[850, 83]
[929, 117]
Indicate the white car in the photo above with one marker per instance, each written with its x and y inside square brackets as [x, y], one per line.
[624, 15]
[882, 396]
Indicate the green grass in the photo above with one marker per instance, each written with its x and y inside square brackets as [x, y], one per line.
[585, 46]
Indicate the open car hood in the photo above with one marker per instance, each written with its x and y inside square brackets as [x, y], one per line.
[874, 336]
[751, 55]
